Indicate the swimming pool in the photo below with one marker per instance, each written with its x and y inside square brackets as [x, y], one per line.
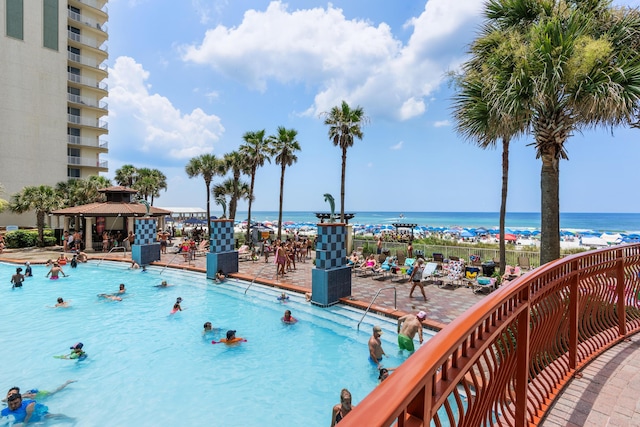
[147, 367]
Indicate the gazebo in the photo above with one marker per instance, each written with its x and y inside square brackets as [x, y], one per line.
[116, 214]
[399, 225]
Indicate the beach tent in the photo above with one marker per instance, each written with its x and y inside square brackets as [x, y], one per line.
[468, 234]
[508, 237]
[611, 238]
[593, 241]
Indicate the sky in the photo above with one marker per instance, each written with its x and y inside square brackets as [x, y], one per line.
[191, 77]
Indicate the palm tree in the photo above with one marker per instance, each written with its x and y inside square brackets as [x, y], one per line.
[285, 146]
[42, 199]
[126, 175]
[344, 124]
[207, 166]
[555, 68]
[257, 151]
[236, 190]
[149, 182]
[75, 192]
[475, 120]
[222, 202]
[237, 163]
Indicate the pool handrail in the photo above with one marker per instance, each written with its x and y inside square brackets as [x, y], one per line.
[516, 349]
[115, 248]
[256, 277]
[395, 302]
[171, 261]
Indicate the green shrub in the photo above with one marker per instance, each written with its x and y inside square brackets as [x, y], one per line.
[28, 238]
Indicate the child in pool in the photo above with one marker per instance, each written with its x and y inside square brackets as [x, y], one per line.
[288, 318]
[176, 306]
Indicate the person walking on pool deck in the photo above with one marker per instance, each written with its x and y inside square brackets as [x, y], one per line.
[407, 327]
[416, 278]
[375, 346]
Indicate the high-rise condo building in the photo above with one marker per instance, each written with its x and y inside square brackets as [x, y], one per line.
[52, 94]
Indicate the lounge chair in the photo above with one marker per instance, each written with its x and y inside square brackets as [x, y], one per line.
[202, 248]
[524, 263]
[437, 257]
[244, 253]
[455, 275]
[429, 272]
[484, 284]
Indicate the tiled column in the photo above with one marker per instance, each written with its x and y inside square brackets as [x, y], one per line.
[145, 248]
[331, 277]
[222, 253]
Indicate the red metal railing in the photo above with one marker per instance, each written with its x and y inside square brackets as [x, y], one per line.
[506, 359]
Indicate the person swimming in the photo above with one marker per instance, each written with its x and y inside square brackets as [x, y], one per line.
[288, 318]
[164, 284]
[110, 297]
[283, 297]
[176, 306]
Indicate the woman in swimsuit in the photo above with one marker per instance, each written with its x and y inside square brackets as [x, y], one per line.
[343, 408]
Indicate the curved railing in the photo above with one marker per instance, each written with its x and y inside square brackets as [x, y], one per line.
[506, 359]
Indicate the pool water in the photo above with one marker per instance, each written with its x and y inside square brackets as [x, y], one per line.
[148, 367]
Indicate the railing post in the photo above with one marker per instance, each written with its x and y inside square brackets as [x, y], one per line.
[573, 315]
[522, 359]
[620, 290]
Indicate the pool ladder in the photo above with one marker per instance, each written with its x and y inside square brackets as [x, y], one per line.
[256, 276]
[115, 248]
[174, 257]
[395, 302]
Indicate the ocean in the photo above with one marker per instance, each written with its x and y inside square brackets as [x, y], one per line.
[597, 222]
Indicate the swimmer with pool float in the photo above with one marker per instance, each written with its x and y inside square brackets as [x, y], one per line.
[231, 339]
[76, 353]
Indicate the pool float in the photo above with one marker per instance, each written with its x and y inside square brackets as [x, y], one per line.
[62, 261]
[73, 356]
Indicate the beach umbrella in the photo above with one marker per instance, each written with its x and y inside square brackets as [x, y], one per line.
[468, 233]
[509, 237]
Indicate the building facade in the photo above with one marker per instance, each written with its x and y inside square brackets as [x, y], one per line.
[53, 88]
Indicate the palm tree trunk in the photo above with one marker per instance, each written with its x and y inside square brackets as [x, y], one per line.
[208, 184]
[281, 197]
[40, 224]
[550, 208]
[253, 180]
[503, 202]
[344, 174]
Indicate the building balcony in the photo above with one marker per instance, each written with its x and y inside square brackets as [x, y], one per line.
[87, 101]
[87, 162]
[86, 121]
[85, 20]
[88, 41]
[100, 5]
[87, 81]
[88, 142]
[85, 60]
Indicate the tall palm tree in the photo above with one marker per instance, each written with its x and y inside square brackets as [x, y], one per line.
[126, 175]
[285, 147]
[207, 166]
[236, 190]
[477, 120]
[558, 67]
[42, 199]
[237, 164]
[345, 123]
[76, 192]
[257, 151]
[222, 202]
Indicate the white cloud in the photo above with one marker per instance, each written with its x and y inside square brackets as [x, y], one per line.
[162, 127]
[441, 124]
[342, 58]
[398, 146]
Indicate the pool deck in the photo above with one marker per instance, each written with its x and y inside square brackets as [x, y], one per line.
[608, 394]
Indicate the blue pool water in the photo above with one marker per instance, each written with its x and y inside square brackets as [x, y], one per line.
[147, 367]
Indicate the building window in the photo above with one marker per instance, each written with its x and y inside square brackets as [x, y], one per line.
[73, 50]
[73, 173]
[15, 19]
[50, 21]
[73, 152]
[73, 131]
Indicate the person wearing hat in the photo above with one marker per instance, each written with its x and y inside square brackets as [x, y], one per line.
[17, 279]
[375, 346]
[407, 327]
[27, 269]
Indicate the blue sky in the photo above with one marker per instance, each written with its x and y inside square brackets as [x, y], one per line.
[193, 79]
